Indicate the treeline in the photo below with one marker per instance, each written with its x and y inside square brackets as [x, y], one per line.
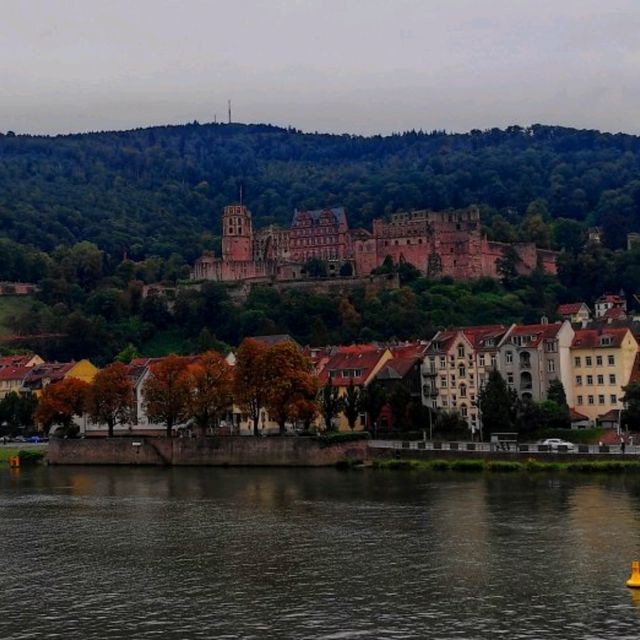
[160, 191]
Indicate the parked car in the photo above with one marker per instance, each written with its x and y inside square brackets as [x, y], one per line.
[554, 443]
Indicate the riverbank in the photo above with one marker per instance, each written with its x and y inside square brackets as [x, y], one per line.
[476, 465]
[26, 454]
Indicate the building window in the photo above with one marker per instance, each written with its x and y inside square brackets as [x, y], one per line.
[443, 362]
[493, 361]
[577, 361]
[579, 399]
[600, 379]
[598, 361]
[463, 410]
[588, 361]
[589, 380]
[443, 381]
[590, 399]
[509, 377]
[508, 357]
[551, 366]
[453, 381]
[601, 399]
[463, 390]
[612, 378]
[614, 399]
[460, 351]
[481, 360]
[611, 361]
[462, 371]
[578, 380]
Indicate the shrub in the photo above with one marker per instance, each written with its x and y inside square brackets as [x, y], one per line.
[28, 456]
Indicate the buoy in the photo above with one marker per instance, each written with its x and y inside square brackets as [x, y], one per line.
[14, 461]
[634, 578]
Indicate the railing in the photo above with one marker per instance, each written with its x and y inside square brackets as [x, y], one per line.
[502, 447]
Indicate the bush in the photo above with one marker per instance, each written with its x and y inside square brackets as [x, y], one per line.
[328, 439]
[27, 456]
[467, 465]
[503, 465]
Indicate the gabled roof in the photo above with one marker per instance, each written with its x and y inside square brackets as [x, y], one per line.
[481, 335]
[576, 416]
[612, 298]
[14, 373]
[16, 360]
[571, 308]
[53, 371]
[397, 368]
[316, 214]
[536, 332]
[364, 361]
[610, 416]
[615, 313]
[592, 338]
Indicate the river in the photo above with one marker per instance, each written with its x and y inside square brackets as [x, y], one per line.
[110, 553]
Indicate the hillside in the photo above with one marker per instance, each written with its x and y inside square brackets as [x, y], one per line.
[161, 190]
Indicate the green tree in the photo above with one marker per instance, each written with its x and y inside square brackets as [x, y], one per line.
[330, 404]
[372, 400]
[351, 405]
[497, 405]
[399, 401]
[631, 399]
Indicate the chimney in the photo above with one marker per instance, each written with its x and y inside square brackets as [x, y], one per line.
[544, 320]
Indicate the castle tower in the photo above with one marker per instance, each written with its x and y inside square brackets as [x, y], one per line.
[237, 234]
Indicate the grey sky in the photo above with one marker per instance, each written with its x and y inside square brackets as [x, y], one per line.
[362, 66]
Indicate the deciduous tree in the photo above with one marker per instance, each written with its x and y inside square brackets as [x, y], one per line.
[250, 379]
[351, 405]
[209, 385]
[166, 391]
[110, 396]
[61, 401]
[290, 383]
[330, 404]
[372, 400]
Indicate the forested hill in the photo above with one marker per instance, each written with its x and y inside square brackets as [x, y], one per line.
[160, 190]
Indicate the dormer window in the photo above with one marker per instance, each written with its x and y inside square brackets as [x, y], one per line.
[605, 341]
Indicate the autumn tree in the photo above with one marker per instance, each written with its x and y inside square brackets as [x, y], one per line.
[250, 379]
[351, 405]
[166, 391]
[60, 402]
[290, 383]
[209, 385]
[330, 404]
[110, 397]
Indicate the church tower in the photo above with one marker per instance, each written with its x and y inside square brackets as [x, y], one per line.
[237, 234]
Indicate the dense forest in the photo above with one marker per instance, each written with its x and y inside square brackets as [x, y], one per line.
[93, 217]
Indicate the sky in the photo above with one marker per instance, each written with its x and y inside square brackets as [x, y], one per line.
[342, 66]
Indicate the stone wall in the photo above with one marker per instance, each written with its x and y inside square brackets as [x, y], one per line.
[223, 451]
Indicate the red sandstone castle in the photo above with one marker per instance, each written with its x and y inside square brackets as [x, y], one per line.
[438, 243]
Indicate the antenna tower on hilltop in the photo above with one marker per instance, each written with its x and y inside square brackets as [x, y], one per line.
[229, 104]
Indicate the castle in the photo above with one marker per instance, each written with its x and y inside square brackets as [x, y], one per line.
[438, 243]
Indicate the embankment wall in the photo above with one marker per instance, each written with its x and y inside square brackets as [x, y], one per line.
[222, 451]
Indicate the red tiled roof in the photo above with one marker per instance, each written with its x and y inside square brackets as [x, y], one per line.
[591, 338]
[364, 361]
[14, 373]
[576, 416]
[478, 336]
[398, 368]
[615, 313]
[16, 361]
[537, 332]
[611, 297]
[570, 308]
[52, 370]
[634, 376]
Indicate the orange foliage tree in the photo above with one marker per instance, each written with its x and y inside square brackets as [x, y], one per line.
[250, 379]
[110, 396]
[291, 387]
[60, 402]
[209, 385]
[166, 391]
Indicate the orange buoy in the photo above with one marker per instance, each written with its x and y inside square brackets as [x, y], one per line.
[634, 578]
[14, 461]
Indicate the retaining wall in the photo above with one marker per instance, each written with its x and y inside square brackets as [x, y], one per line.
[222, 451]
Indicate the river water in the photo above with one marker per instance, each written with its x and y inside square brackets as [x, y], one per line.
[110, 553]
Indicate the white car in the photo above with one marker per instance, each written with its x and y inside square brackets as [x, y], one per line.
[554, 443]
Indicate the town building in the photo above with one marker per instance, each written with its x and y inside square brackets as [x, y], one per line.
[575, 312]
[608, 302]
[602, 360]
[41, 375]
[534, 355]
[437, 243]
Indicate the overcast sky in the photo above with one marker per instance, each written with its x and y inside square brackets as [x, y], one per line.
[361, 66]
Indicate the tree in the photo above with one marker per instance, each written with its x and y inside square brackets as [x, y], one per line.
[17, 410]
[250, 379]
[555, 393]
[399, 401]
[631, 413]
[351, 405]
[497, 404]
[372, 400]
[110, 397]
[315, 268]
[61, 401]
[166, 391]
[289, 382]
[209, 384]
[330, 403]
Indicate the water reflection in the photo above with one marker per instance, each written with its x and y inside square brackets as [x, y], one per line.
[295, 553]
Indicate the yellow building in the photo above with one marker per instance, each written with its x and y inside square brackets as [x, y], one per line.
[601, 364]
[49, 372]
